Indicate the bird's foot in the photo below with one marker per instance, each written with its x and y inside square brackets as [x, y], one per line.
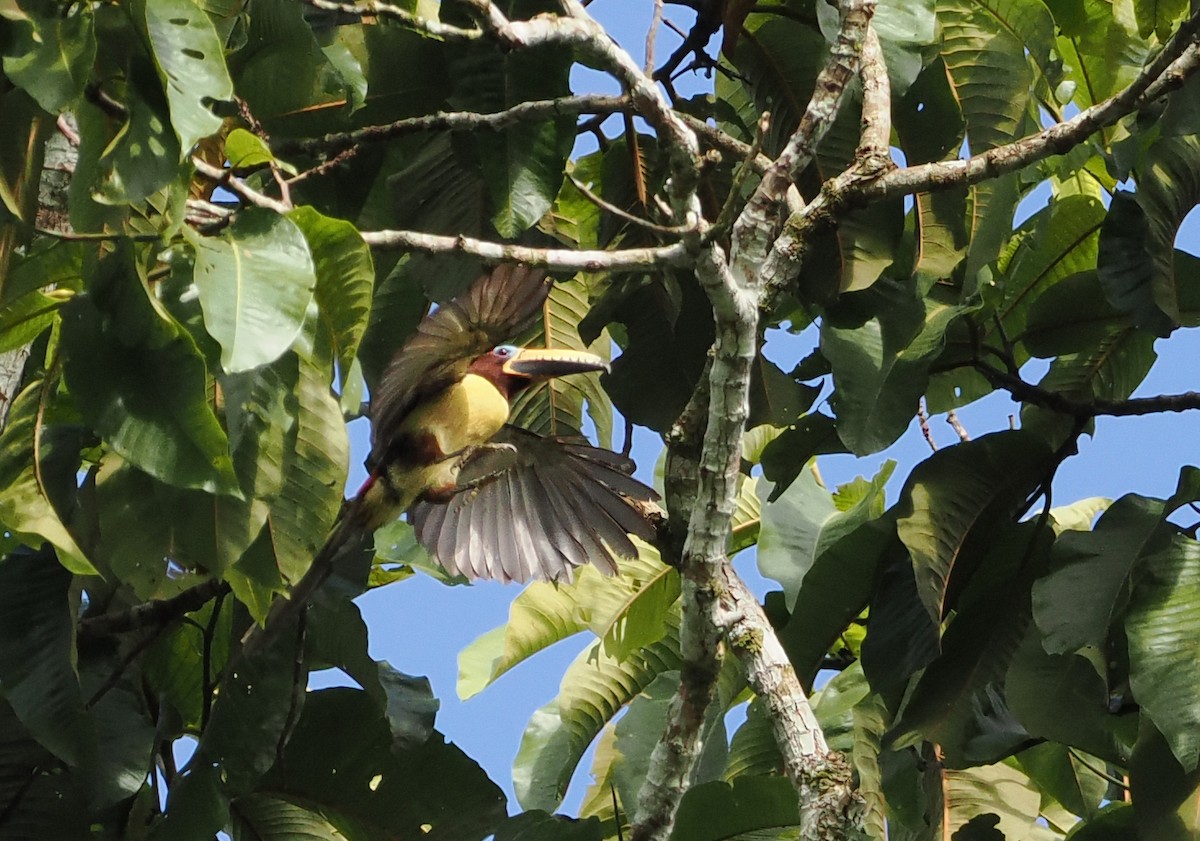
[482, 463]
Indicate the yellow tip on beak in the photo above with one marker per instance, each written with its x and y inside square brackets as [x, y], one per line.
[551, 362]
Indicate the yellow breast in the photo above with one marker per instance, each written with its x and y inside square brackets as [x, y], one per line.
[469, 412]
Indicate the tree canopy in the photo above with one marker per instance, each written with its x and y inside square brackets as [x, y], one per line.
[220, 220]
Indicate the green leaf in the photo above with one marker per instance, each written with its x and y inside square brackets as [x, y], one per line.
[191, 65]
[345, 278]
[256, 281]
[788, 454]
[594, 689]
[341, 761]
[246, 152]
[1061, 773]
[259, 817]
[37, 652]
[870, 722]
[717, 810]
[984, 46]
[804, 523]
[1137, 261]
[1087, 586]
[955, 496]
[539, 826]
[1166, 796]
[753, 751]
[49, 52]
[1158, 17]
[1164, 666]
[639, 731]
[42, 801]
[26, 501]
[315, 463]
[880, 346]
[523, 164]
[628, 611]
[999, 790]
[141, 383]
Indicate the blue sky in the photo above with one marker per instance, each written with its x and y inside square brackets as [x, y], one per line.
[419, 626]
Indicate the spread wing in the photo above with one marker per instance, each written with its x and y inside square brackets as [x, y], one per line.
[496, 307]
[536, 508]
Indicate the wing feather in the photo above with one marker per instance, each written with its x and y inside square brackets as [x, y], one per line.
[560, 503]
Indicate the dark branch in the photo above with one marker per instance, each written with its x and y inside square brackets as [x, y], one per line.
[155, 612]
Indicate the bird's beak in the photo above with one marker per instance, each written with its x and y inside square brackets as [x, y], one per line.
[542, 364]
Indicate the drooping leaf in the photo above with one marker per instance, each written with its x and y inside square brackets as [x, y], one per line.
[1061, 773]
[718, 810]
[1086, 588]
[345, 277]
[954, 496]
[880, 346]
[191, 65]
[27, 503]
[37, 676]
[256, 281]
[49, 53]
[1164, 670]
[42, 801]
[799, 527]
[1166, 794]
[999, 790]
[555, 406]
[141, 383]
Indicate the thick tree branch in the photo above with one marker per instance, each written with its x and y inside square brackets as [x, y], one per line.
[823, 777]
[755, 229]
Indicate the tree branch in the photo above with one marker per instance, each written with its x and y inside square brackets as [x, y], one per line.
[540, 109]
[154, 612]
[822, 777]
[1054, 401]
[553, 258]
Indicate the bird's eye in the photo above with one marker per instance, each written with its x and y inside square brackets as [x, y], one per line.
[502, 352]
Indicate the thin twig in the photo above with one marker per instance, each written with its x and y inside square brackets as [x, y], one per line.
[923, 421]
[670, 230]
[956, 425]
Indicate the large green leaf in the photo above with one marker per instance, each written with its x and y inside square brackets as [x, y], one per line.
[955, 496]
[1061, 773]
[37, 674]
[341, 761]
[880, 346]
[870, 723]
[191, 65]
[49, 53]
[1166, 797]
[752, 750]
[639, 731]
[41, 801]
[1087, 586]
[1001, 790]
[958, 701]
[594, 689]
[315, 462]
[256, 281]
[27, 500]
[984, 44]
[141, 383]
[801, 526]
[1164, 665]
[1137, 260]
[345, 277]
[260, 817]
[717, 810]
[626, 612]
[522, 164]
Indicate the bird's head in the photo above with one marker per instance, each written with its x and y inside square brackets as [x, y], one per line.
[511, 368]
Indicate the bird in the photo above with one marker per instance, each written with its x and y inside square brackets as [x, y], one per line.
[485, 498]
